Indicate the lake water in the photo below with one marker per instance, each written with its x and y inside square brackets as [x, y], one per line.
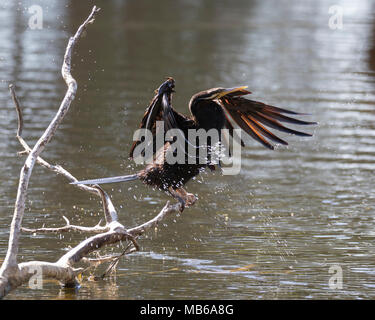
[271, 232]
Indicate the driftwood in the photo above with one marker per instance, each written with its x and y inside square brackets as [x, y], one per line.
[13, 273]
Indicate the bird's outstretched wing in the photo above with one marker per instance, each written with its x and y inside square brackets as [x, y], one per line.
[161, 109]
[252, 117]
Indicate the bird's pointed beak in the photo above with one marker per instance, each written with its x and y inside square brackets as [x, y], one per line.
[238, 90]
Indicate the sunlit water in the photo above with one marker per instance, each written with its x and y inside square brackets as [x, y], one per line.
[271, 232]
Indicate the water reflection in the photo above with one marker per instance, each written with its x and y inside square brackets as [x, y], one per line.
[271, 232]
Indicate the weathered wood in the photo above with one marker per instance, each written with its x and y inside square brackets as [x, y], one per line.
[10, 268]
[12, 273]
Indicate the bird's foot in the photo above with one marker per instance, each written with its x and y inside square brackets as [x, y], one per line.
[185, 198]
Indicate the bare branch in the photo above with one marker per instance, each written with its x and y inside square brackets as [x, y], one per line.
[13, 274]
[115, 234]
[101, 259]
[68, 227]
[55, 168]
[64, 274]
[9, 267]
[168, 209]
[18, 108]
[109, 210]
[115, 261]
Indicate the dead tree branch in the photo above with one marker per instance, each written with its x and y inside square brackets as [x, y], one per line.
[10, 268]
[12, 273]
[68, 227]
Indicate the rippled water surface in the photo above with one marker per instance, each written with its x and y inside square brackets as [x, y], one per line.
[271, 232]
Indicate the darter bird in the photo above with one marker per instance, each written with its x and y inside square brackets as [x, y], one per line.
[210, 109]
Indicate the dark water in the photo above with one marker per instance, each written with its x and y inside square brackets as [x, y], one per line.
[271, 232]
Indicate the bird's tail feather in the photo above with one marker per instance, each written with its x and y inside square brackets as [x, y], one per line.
[108, 180]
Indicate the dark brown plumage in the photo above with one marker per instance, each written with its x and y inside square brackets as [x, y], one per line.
[210, 109]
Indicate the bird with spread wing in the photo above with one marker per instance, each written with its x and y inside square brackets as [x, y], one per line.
[215, 108]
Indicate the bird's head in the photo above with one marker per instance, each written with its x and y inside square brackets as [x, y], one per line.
[215, 94]
[166, 87]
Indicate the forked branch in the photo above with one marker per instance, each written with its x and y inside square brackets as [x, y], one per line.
[12, 273]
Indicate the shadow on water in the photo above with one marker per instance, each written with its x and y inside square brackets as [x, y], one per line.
[271, 232]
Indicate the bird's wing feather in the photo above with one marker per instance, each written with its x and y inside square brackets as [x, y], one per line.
[251, 116]
[151, 115]
[161, 109]
[230, 128]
